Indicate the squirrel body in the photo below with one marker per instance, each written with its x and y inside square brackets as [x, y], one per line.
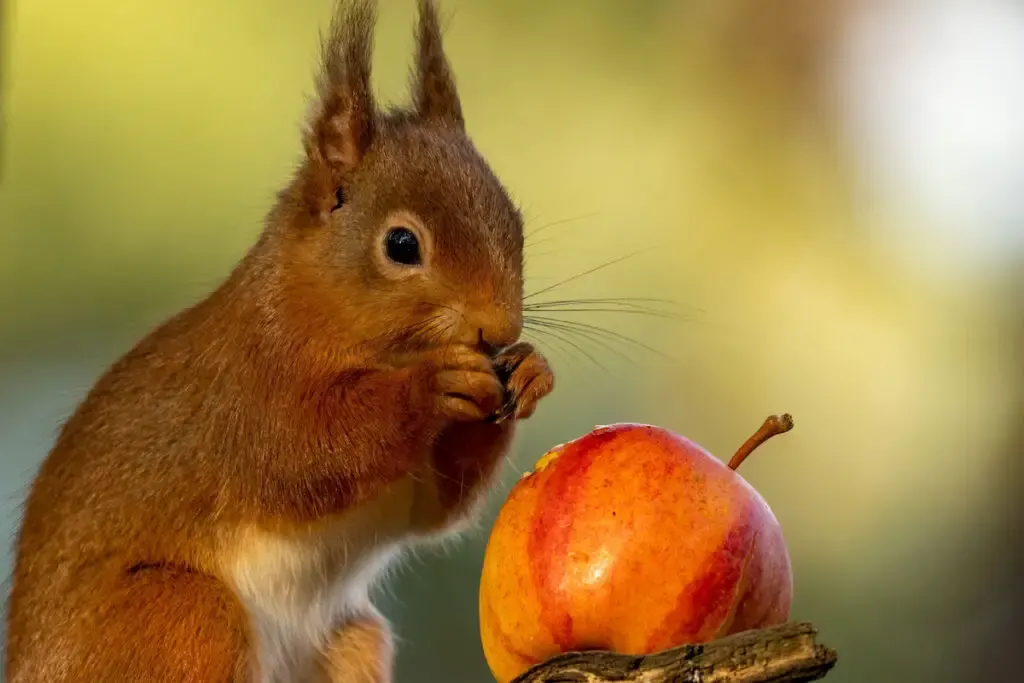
[221, 502]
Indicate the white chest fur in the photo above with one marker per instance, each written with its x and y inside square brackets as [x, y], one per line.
[299, 589]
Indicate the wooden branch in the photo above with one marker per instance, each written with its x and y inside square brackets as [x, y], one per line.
[786, 653]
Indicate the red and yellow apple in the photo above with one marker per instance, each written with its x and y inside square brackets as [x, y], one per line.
[632, 539]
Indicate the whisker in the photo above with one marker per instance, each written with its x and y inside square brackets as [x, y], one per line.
[589, 335]
[608, 305]
[611, 333]
[573, 351]
[595, 329]
[545, 240]
[585, 273]
[625, 310]
[550, 343]
[572, 343]
[533, 233]
[428, 330]
[639, 302]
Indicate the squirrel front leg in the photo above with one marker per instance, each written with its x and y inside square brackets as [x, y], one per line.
[369, 427]
[467, 453]
[360, 651]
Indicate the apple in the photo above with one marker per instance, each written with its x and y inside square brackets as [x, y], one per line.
[631, 539]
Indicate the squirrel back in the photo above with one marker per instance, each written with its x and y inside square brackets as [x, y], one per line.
[350, 388]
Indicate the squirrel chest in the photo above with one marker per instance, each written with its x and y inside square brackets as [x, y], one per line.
[299, 588]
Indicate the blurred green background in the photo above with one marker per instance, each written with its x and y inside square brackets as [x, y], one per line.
[829, 192]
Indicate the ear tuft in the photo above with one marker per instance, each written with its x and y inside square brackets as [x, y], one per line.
[341, 127]
[434, 93]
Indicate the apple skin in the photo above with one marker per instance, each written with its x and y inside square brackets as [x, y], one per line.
[632, 539]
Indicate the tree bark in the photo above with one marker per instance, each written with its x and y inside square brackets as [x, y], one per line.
[782, 653]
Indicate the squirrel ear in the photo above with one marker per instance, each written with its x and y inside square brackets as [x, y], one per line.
[342, 125]
[434, 92]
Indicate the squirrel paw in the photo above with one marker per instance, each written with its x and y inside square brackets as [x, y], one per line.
[527, 379]
[468, 388]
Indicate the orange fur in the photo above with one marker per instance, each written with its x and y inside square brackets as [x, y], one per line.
[360, 652]
[219, 505]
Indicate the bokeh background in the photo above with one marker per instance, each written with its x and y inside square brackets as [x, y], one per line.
[828, 195]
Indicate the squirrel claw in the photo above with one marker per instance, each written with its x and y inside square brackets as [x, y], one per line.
[527, 378]
[506, 411]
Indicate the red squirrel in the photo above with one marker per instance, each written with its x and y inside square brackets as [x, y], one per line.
[219, 505]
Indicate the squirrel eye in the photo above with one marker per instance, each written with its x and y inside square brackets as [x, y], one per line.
[340, 196]
[402, 246]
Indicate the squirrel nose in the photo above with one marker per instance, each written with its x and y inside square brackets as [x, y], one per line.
[495, 337]
[486, 347]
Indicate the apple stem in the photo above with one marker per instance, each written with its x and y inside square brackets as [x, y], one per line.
[773, 425]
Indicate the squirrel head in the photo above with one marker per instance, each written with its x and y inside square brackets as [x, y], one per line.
[394, 230]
